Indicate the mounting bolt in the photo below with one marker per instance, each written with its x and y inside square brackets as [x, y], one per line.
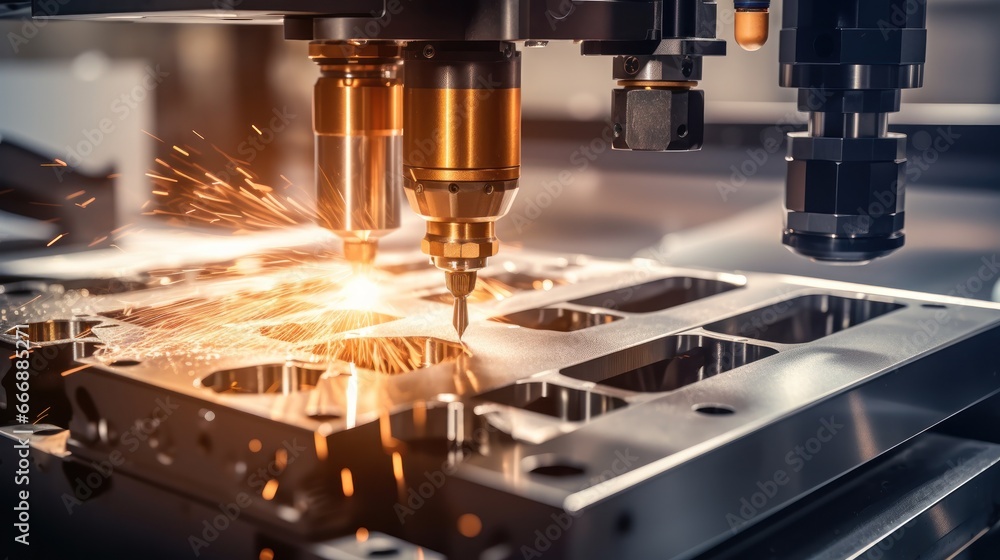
[453, 188]
[631, 65]
[687, 67]
[488, 189]
[428, 51]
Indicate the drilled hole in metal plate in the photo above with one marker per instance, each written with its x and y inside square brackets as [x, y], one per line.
[564, 403]
[326, 416]
[557, 319]
[204, 442]
[501, 286]
[125, 363]
[283, 378]
[558, 471]
[52, 331]
[714, 409]
[390, 355]
[381, 548]
[310, 332]
[668, 363]
[657, 295]
[552, 466]
[803, 319]
[624, 523]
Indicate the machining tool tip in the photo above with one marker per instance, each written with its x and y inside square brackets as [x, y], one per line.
[460, 317]
[460, 284]
[361, 254]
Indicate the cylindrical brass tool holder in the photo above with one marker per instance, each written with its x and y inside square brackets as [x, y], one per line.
[358, 121]
[462, 148]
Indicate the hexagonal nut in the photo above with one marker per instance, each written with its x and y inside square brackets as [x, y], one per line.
[849, 101]
[846, 225]
[803, 146]
[853, 46]
[861, 14]
[848, 187]
[473, 249]
[658, 120]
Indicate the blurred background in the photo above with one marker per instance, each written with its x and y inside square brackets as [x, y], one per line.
[110, 97]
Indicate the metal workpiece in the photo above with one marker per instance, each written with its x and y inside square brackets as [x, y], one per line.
[358, 122]
[941, 485]
[845, 176]
[635, 407]
[462, 151]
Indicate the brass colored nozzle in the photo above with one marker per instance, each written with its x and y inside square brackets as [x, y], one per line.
[360, 253]
[460, 315]
[751, 28]
[460, 284]
[461, 152]
[358, 122]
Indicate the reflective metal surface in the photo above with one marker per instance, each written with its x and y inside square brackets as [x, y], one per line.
[649, 434]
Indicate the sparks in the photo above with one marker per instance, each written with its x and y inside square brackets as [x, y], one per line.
[76, 369]
[347, 481]
[57, 238]
[313, 309]
[361, 292]
[270, 489]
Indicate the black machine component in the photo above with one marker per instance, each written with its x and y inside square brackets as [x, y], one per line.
[657, 44]
[849, 60]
